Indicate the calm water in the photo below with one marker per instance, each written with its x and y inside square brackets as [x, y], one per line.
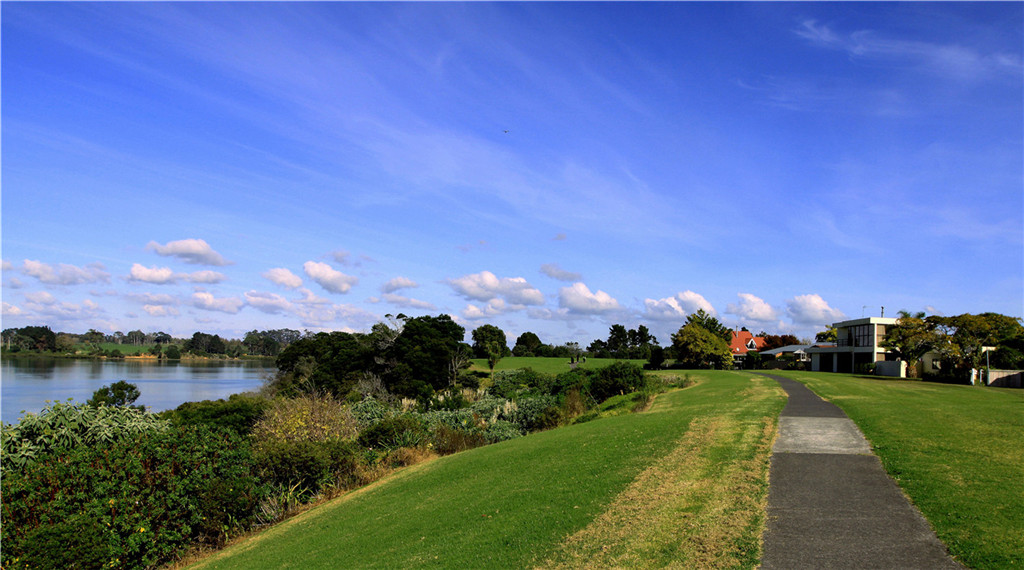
[26, 384]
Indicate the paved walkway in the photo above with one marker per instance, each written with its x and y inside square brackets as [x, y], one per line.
[830, 502]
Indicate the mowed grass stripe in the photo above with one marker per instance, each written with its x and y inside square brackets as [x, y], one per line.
[514, 503]
[701, 506]
[956, 451]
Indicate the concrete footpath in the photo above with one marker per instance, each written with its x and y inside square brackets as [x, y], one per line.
[830, 502]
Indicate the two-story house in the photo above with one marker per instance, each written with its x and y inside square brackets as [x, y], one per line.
[857, 344]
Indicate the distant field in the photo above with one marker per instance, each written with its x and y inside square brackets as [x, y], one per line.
[681, 485]
[127, 348]
[545, 365]
[957, 451]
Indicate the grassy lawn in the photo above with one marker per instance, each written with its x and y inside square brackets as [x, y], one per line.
[957, 452]
[127, 348]
[683, 484]
[544, 365]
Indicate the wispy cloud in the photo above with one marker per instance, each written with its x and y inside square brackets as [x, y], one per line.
[166, 276]
[195, 251]
[952, 61]
[553, 271]
[63, 274]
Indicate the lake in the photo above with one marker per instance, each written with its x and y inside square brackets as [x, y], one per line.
[26, 383]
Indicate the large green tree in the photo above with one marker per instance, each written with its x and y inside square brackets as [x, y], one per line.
[422, 356]
[484, 337]
[967, 337]
[911, 338]
[528, 344]
[120, 394]
[710, 324]
[697, 347]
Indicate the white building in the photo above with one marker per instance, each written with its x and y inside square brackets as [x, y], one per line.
[857, 344]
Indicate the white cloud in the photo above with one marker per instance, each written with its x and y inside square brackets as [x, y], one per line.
[555, 272]
[485, 286]
[578, 299]
[205, 276]
[6, 265]
[328, 277]
[165, 276]
[752, 308]
[812, 309]
[267, 302]
[398, 283]
[310, 298]
[44, 304]
[63, 274]
[195, 251]
[400, 301]
[156, 275]
[152, 299]
[10, 310]
[283, 277]
[40, 297]
[493, 308]
[160, 310]
[677, 307]
[206, 301]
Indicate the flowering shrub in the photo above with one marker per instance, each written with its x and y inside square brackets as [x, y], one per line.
[305, 418]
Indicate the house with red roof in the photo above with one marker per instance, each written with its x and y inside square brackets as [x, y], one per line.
[743, 342]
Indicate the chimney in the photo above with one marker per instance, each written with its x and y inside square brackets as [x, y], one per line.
[883, 312]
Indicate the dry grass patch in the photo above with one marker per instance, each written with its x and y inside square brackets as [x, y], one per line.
[701, 506]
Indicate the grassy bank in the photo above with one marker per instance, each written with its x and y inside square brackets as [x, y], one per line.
[957, 451]
[683, 483]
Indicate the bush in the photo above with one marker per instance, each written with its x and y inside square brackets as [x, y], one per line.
[616, 378]
[535, 413]
[369, 412]
[500, 431]
[305, 418]
[61, 427]
[130, 502]
[405, 430]
[312, 465]
[239, 413]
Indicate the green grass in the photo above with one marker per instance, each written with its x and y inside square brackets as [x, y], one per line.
[957, 452]
[542, 364]
[127, 349]
[517, 503]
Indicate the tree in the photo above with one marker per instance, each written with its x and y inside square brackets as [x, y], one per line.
[120, 394]
[697, 347]
[618, 341]
[968, 335]
[136, 337]
[528, 344]
[422, 355]
[172, 352]
[710, 324]
[827, 335]
[777, 341]
[911, 338]
[93, 337]
[484, 336]
[494, 353]
[65, 343]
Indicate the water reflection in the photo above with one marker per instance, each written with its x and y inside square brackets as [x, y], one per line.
[27, 383]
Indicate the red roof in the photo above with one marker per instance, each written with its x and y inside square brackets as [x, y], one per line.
[742, 341]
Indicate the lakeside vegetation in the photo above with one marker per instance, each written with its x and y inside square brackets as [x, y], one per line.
[681, 484]
[956, 451]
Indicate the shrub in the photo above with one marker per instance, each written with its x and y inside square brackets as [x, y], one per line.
[309, 465]
[616, 378]
[129, 502]
[239, 413]
[405, 430]
[535, 413]
[305, 418]
[500, 431]
[369, 411]
[61, 427]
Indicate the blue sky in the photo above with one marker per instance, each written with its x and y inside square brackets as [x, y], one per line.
[546, 167]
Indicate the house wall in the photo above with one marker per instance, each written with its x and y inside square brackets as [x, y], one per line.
[895, 369]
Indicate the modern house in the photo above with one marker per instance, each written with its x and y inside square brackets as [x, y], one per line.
[743, 342]
[857, 345]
